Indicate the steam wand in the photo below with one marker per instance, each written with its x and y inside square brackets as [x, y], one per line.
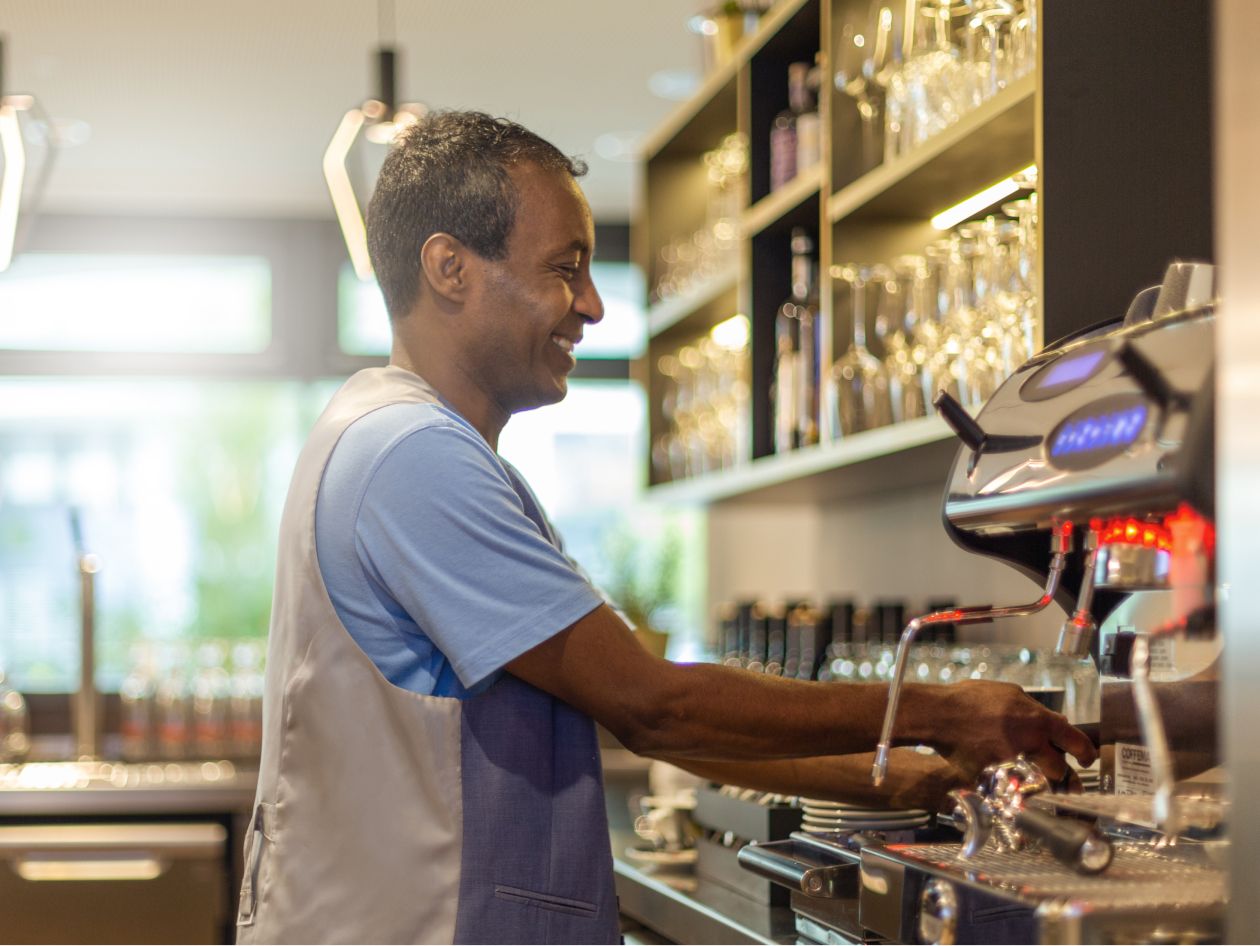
[1060, 546]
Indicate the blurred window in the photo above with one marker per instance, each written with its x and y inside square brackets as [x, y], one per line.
[178, 476]
[134, 303]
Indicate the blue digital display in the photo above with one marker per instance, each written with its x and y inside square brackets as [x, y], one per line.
[1069, 370]
[1113, 431]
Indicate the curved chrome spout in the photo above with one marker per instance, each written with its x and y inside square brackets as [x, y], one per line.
[1164, 803]
[1060, 545]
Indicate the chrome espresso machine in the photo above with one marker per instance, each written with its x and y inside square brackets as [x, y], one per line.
[1091, 471]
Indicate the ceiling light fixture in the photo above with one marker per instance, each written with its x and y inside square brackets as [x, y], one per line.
[381, 121]
[24, 128]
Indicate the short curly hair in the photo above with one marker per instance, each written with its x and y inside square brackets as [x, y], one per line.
[448, 173]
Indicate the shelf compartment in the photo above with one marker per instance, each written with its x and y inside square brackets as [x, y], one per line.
[779, 203]
[666, 315]
[674, 131]
[914, 453]
[984, 146]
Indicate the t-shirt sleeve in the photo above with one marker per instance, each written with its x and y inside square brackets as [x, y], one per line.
[444, 533]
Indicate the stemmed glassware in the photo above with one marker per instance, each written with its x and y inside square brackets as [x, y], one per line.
[712, 249]
[952, 57]
[897, 322]
[989, 42]
[705, 407]
[865, 59]
[860, 379]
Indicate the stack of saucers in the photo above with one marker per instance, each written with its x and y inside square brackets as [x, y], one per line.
[828, 817]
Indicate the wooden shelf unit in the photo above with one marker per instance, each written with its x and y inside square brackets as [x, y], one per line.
[1120, 198]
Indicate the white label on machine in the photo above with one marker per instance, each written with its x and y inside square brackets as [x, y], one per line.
[1163, 656]
[1133, 770]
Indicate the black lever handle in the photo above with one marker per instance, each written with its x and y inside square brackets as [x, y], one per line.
[968, 431]
[1078, 845]
[972, 434]
[1149, 378]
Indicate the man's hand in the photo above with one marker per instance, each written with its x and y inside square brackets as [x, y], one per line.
[978, 722]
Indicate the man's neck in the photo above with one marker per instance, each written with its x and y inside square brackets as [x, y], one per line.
[457, 390]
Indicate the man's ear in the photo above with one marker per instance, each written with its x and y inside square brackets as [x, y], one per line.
[446, 264]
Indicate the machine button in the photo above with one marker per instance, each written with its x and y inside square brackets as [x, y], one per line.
[938, 913]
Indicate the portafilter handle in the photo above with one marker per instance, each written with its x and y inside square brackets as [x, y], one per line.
[1060, 546]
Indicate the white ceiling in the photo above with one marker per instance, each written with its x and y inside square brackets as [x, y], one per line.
[224, 107]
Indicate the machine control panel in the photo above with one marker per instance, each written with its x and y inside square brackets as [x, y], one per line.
[1082, 437]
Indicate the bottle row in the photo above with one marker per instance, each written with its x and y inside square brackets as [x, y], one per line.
[201, 701]
[846, 642]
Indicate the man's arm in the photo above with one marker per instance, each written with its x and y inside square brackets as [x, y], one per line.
[915, 779]
[708, 712]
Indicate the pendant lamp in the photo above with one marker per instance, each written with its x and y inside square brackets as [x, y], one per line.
[378, 121]
[22, 123]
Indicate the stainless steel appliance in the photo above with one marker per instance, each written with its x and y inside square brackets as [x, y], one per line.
[1091, 471]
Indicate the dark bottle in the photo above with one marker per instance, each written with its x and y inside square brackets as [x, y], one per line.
[784, 130]
[796, 363]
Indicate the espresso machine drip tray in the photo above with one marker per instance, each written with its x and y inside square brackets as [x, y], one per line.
[931, 893]
[1140, 876]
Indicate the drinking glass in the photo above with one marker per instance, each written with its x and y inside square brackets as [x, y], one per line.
[863, 59]
[860, 379]
[941, 345]
[1024, 39]
[1024, 211]
[989, 37]
[966, 341]
[929, 92]
[896, 322]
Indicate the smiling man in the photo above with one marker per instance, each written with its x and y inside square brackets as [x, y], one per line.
[436, 665]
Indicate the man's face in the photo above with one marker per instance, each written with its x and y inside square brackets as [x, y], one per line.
[534, 304]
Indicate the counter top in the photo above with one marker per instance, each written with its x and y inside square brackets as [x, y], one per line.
[105, 788]
[684, 908]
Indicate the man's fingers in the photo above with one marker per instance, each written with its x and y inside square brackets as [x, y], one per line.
[1052, 764]
[1065, 736]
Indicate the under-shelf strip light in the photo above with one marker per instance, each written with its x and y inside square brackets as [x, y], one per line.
[977, 203]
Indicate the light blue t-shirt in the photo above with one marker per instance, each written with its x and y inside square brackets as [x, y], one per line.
[436, 554]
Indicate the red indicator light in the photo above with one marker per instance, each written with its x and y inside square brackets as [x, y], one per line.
[1129, 531]
[1192, 527]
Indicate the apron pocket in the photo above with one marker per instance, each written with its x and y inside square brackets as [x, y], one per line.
[259, 837]
[546, 901]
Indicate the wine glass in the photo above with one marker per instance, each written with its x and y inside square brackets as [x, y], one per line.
[988, 29]
[905, 315]
[1025, 213]
[862, 62]
[860, 379]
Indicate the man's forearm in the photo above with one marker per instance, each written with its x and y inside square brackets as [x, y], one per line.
[709, 712]
[915, 780]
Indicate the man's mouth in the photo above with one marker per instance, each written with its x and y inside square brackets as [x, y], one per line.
[564, 343]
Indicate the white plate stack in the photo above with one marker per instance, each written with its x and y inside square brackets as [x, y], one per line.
[829, 817]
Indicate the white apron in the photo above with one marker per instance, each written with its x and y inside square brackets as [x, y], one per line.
[384, 816]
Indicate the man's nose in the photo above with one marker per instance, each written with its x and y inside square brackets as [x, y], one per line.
[588, 304]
